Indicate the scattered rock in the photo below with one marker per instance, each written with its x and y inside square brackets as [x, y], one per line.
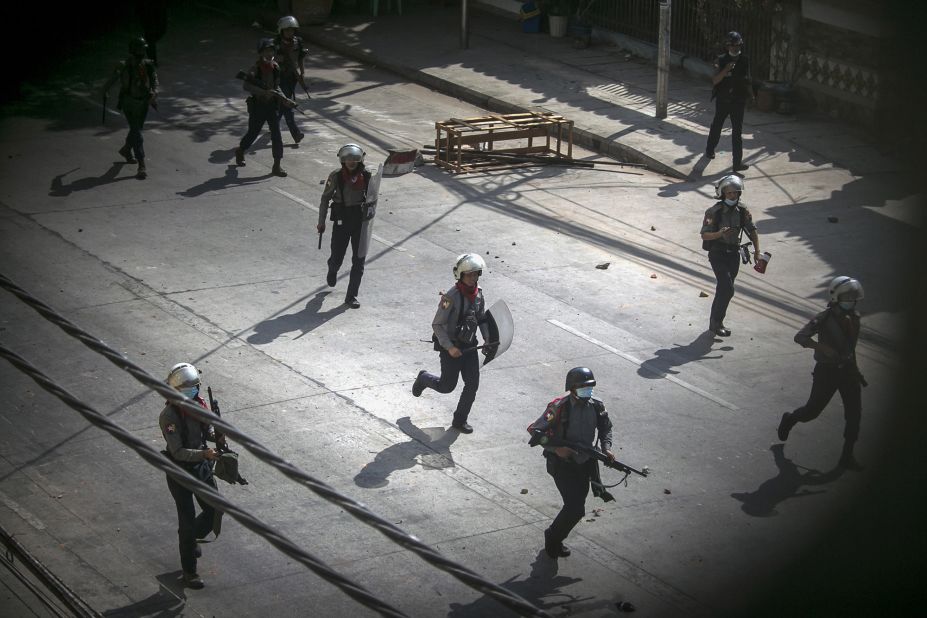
[524, 491]
[832, 219]
[653, 229]
[667, 492]
[653, 275]
[513, 244]
[603, 265]
[703, 295]
[80, 229]
[625, 606]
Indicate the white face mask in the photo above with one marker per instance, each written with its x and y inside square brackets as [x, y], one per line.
[730, 202]
[847, 305]
[584, 392]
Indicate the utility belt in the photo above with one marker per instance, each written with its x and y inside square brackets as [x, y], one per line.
[341, 212]
[724, 248]
[201, 470]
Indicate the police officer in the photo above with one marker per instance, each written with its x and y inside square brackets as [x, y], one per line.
[582, 419]
[346, 191]
[461, 312]
[186, 446]
[290, 54]
[722, 231]
[138, 88]
[732, 87]
[263, 105]
[835, 369]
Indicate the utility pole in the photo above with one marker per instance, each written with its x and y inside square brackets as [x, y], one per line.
[663, 58]
[464, 25]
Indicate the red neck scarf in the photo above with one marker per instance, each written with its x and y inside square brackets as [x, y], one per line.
[466, 291]
[356, 180]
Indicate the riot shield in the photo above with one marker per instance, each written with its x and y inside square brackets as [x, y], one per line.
[501, 329]
[369, 210]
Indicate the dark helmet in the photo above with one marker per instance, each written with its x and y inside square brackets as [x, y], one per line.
[137, 47]
[733, 38]
[264, 44]
[579, 376]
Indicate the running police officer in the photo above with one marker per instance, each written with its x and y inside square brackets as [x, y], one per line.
[290, 54]
[186, 446]
[346, 191]
[732, 88]
[138, 88]
[461, 312]
[722, 231]
[835, 369]
[582, 419]
[262, 80]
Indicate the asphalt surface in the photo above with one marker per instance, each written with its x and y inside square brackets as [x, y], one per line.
[217, 265]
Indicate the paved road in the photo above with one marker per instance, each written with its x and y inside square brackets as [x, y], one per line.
[217, 265]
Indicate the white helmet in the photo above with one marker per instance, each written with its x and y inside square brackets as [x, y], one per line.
[733, 180]
[468, 263]
[183, 375]
[844, 288]
[351, 152]
[286, 22]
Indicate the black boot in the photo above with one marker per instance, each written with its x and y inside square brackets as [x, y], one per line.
[785, 426]
[277, 170]
[239, 156]
[719, 329]
[142, 173]
[847, 461]
[126, 153]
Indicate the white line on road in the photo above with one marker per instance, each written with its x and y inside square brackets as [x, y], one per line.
[31, 519]
[640, 364]
[316, 209]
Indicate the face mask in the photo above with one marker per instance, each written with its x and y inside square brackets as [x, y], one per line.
[734, 54]
[730, 202]
[584, 392]
[191, 392]
[847, 305]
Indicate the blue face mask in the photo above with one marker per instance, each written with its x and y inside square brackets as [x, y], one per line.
[190, 392]
[847, 305]
[584, 392]
[730, 202]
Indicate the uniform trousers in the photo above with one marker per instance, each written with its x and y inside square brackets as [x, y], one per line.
[343, 233]
[828, 379]
[136, 111]
[466, 366]
[190, 525]
[726, 264]
[572, 480]
[258, 114]
[723, 109]
[288, 87]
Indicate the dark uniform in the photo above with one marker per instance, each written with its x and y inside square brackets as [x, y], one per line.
[290, 55]
[346, 191]
[834, 370]
[186, 445]
[456, 321]
[730, 96]
[724, 253]
[575, 420]
[138, 87]
[263, 108]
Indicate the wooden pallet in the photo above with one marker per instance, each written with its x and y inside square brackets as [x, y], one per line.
[459, 142]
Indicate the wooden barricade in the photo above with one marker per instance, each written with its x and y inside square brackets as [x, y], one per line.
[476, 144]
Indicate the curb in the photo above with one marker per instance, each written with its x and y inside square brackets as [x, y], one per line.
[581, 137]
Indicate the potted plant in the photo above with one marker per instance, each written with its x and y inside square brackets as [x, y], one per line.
[558, 15]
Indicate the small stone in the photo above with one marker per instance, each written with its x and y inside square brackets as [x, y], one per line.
[80, 229]
[603, 265]
[524, 491]
[667, 492]
[513, 244]
[653, 229]
[832, 219]
[653, 275]
[703, 295]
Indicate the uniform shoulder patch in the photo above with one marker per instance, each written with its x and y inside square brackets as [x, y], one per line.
[170, 428]
[549, 416]
[445, 302]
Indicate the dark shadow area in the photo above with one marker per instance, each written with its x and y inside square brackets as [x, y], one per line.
[304, 321]
[665, 359]
[168, 602]
[230, 179]
[60, 189]
[785, 485]
[431, 444]
[544, 588]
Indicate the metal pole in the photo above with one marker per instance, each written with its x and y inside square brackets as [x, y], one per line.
[464, 25]
[663, 58]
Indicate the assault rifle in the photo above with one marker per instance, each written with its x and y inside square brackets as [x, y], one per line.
[539, 437]
[278, 94]
[214, 406]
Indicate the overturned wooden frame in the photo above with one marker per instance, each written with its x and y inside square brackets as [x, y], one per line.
[459, 143]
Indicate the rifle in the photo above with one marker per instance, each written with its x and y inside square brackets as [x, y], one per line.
[281, 98]
[303, 84]
[320, 241]
[539, 437]
[214, 406]
[105, 96]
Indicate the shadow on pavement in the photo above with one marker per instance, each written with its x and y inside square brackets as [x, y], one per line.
[230, 179]
[787, 484]
[167, 602]
[304, 321]
[59, 189]
[430, 446]
[664, 359]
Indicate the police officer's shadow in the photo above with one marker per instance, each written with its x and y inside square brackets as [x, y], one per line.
[304, 321]
[229, 179]
[167, 602]
[665, 359]
[787, 484]
[543, 588]
[430, 447]
[60, 189]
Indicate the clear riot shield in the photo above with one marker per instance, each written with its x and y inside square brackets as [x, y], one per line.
[369, 209]
[501, 329]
